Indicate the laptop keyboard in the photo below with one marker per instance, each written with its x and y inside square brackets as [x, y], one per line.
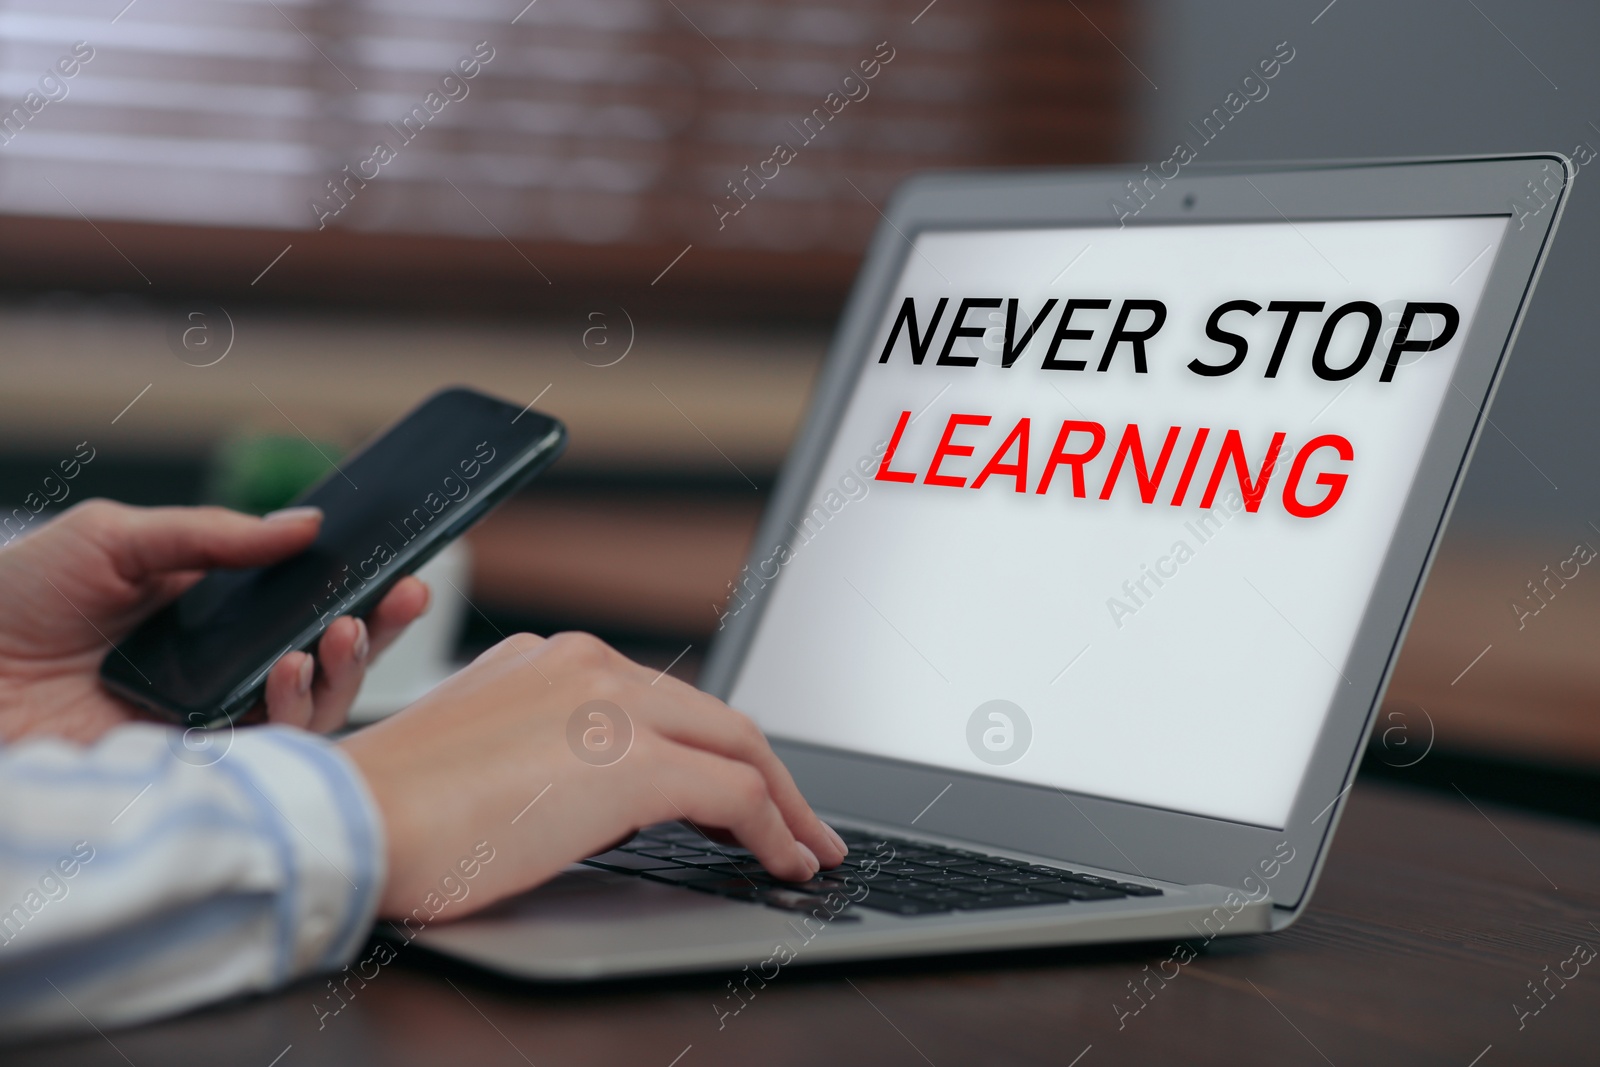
[881, 873]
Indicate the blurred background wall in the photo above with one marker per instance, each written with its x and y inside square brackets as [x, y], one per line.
[229, 223]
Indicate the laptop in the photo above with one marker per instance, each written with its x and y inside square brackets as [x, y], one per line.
[1075, 601]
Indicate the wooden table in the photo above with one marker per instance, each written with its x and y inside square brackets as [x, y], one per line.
[1429, 922]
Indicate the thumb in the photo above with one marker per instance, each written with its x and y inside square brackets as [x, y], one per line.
[156, 540]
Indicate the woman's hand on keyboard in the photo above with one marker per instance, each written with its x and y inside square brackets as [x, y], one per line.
[552, 749]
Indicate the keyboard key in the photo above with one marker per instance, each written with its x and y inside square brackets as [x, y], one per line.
[1018, 899]
[752, 870]
[985, 870]
[1093, 879]
[628, 861]
[713, 859]
[851, 885]
[813, 904]
[735, 891]
[727, 851]
[904, 870]
[673, 852]
[898, 905]
[952, 880]
[998, 861]
[1021, 877]
[957, 897]
[696, 878]
[1130, 888]
[820, 884]
[1075, 891]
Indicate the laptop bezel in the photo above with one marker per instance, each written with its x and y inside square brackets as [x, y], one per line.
[1117, 835]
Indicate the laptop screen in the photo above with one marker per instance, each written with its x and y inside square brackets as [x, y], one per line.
[1105, 507]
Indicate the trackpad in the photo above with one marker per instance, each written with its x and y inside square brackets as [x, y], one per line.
[586, 922]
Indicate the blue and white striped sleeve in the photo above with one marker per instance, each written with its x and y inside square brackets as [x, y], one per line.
[140, 877]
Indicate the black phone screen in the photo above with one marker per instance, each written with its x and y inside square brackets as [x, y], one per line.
[386, 510]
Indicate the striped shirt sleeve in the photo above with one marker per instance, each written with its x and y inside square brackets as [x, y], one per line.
[158, 870]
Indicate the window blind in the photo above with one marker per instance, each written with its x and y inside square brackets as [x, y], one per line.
[736, 123]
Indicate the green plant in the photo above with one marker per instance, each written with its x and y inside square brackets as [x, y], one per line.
[258, 473]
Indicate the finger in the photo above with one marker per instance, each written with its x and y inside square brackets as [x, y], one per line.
[399, 608]
[147, 541]
[710, 790]
[342, 654]
[693, 718]
[172, 585]
[289, 690]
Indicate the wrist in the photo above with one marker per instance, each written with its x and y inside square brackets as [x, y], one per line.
[388, 813]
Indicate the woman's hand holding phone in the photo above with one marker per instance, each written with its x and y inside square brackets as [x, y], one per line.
[88, 577]
[486, 757]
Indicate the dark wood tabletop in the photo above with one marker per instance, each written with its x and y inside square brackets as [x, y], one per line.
[1432, 919]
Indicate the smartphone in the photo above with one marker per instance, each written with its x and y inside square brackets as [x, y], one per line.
[387, 509]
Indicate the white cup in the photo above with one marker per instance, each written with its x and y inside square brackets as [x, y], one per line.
[423, 656]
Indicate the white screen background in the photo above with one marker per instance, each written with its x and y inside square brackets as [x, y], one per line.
[914, 604]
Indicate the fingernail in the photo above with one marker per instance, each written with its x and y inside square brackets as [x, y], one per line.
[308, 668]
[362, 646]
[809, 857]
[844, 848]
[299, 514]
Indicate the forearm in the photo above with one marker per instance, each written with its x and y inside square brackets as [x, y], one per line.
[138, 878]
